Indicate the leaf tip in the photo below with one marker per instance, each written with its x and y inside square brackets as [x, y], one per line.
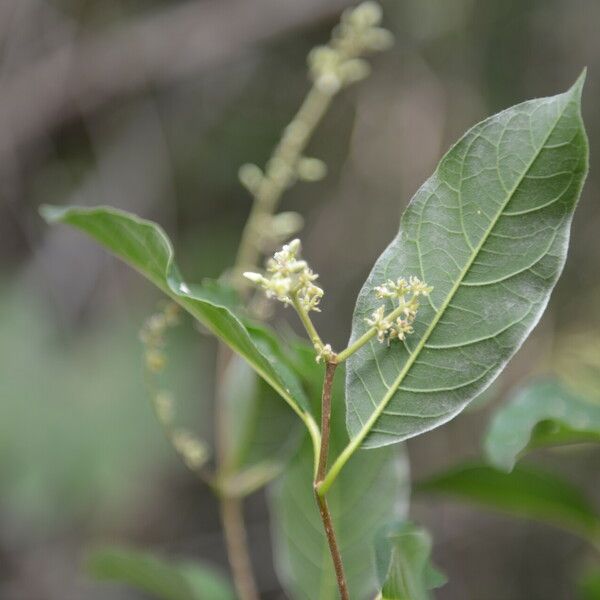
[51, 214]
[577, 87]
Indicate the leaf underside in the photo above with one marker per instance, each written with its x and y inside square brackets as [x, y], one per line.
[544, 413]
[489, 230]
[146, 247]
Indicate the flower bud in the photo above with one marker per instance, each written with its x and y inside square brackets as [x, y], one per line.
[285, 224]
[354, 70]
[311, 169]
[250, 177]
[366, 14]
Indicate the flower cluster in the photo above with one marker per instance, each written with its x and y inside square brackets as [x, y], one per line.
[192, 450]
[152, 335]
[289, 279]
[339, 63]
[398, 324]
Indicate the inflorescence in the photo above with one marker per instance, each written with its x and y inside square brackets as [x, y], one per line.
[190, 448]
[338, 63]
[289, 279]
[407, 294]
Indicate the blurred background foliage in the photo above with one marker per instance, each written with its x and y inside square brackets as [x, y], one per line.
[152, 107]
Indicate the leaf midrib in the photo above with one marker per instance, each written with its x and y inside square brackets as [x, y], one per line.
[366, 428]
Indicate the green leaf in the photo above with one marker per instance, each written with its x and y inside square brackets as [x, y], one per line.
[372, 490]
[145, 246]
[525, 492]
[544, 413]
[402, 556]
[489, 230]
[161, 579]
[262, 433]
[588, 586]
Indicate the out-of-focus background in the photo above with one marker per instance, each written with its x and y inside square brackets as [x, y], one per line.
[152, 106]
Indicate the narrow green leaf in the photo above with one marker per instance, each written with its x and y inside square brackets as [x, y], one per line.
[161, 579]
[544, 413]
[525, 492]
[145, 246]
[371, 491]
[403, 559]
[489, 230]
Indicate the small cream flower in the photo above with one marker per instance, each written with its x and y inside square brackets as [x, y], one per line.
[418, 287]
[405, 312]
[289, 278]
[381, 324]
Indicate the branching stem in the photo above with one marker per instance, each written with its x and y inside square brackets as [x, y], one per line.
[366, 337]
[321, 469]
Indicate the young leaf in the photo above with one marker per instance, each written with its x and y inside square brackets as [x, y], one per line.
[145, 246]
[159, 578]
[544, 413]
[372, 490]
[489, 230]
[525, 492]
[402, 556]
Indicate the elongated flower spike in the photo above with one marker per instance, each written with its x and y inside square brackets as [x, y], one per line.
[289, 278]
[399, 324]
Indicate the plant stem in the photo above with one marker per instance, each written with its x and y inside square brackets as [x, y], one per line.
[333, 546]
[365, 337]
[330, 368]
[231, 507]
[315, 338]
[321, 469]
[266, 198]
[237, 548]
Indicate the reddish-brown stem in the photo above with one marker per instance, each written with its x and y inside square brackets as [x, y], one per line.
[325, 420]
[321, 471]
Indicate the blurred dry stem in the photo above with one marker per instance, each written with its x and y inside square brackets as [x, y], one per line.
[331, 67]
[279, 177]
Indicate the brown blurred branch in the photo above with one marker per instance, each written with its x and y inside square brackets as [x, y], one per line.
[157, 49]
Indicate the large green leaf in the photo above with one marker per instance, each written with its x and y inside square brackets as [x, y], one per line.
[525, 492]
[146, 247]
[372, 490]
[402, 556]
[262, 433]
[157, 577]
[544, 413]
[588, 586]
[489, 230]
